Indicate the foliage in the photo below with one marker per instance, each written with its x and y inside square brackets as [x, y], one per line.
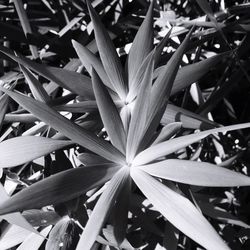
[124, 132]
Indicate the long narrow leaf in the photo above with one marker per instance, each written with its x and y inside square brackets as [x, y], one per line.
[22, 149]
[35, 86]
[142, 45]
[109, 113]
[140, 113]
[179, 211]
[101, 210]
[89, 60]
[15, 218]
[73, 81]
[68, 128]
[167, 132]
[196, 173]
[109, 57]
[163, 85]
[58, 188]
[175, 144]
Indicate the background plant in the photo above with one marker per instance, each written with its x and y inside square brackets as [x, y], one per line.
[190, 107]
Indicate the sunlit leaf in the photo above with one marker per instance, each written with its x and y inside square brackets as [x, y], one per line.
[171, 146]
[142, 45]
[109, 57]
[196, 173]
[22, 149]
[179, 211]
[167, 132]
[34, 241]
[140, 112]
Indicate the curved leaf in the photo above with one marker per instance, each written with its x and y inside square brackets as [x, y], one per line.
[179, 211]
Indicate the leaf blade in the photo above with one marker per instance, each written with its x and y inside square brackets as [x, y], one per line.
[27, 148]
[57, 188]
[175, 144]
[179, 211]
[100, 211]
[196, 173]
[109, 113]
[66, 127]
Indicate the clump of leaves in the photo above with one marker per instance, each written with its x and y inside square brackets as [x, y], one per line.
[139, 149]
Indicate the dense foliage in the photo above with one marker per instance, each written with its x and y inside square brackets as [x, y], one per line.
[124, 124]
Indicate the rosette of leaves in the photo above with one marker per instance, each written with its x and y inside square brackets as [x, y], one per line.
[131, 104]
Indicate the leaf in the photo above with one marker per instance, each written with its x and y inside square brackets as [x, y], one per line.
[15, 218]
[74, 132]
[92, 159]
[64, 234]
[167, 132]
[109, 57]
[220, 214]
[89, 60]
[25, 24]
[192, 73]
[171, 146]
[12, 236]
[22, 149]
[141, 46]
[120, 212]
[34, 241]
[35, 86]
[75, 82]
[196, 173]
[109, 113]
[78, 107]
[162, 87]
[58, 188]
[160, 46]
[140, 112]
[39, 218]
[179, 211]
[138, 78]
[4, 102]
[187, 118]
[101, 209]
